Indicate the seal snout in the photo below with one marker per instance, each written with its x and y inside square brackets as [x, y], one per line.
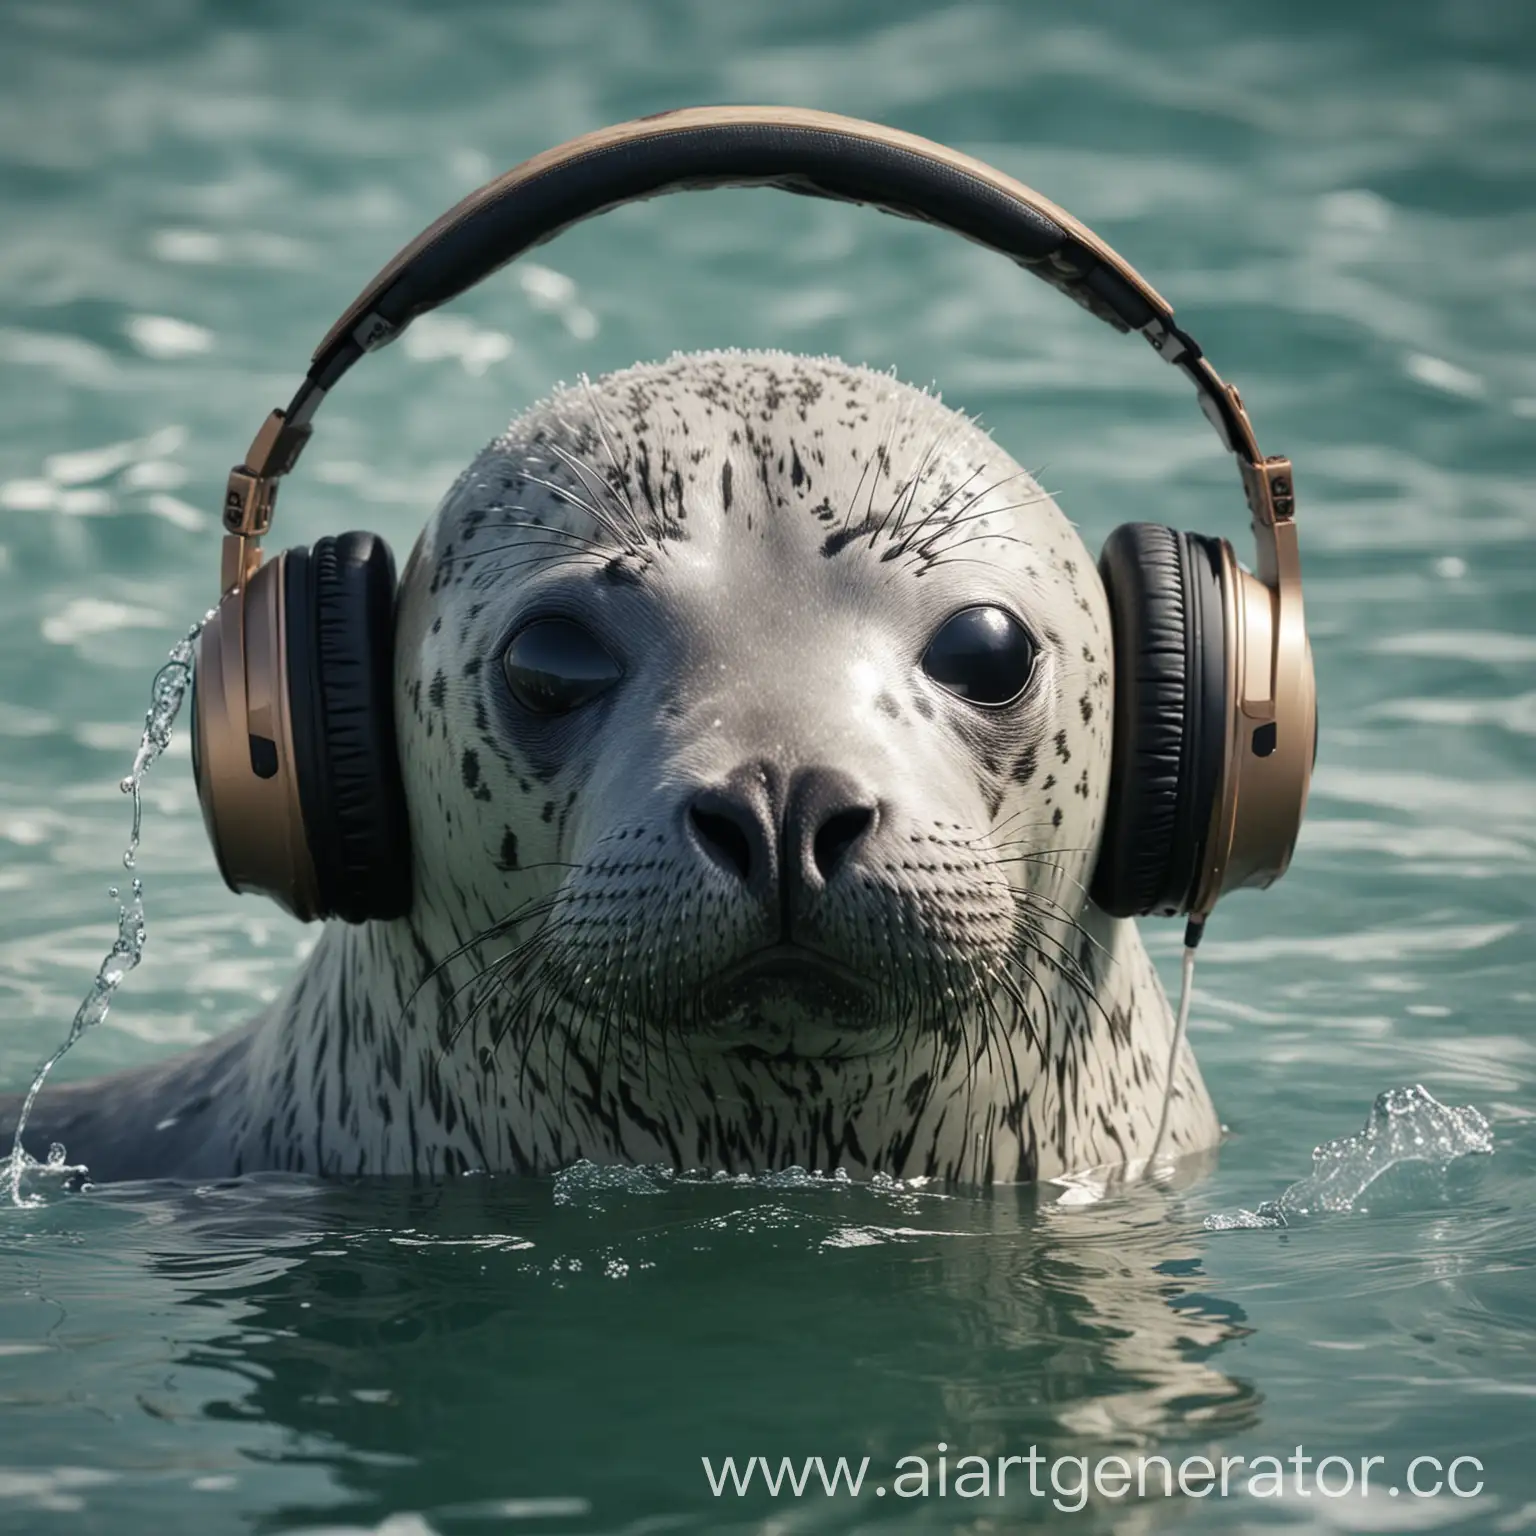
[782, 840]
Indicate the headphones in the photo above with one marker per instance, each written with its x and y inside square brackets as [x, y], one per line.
[1215, 716]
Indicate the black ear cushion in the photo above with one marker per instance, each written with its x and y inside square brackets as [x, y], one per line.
[1164, 591]
[341, 643]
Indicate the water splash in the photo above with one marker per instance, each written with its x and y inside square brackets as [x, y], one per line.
[586, 1183]
[166, 695]
[1399, 1159]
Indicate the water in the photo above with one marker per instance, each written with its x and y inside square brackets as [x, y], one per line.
[1338, 201]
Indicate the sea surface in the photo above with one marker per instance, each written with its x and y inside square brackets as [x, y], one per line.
[1340, 199]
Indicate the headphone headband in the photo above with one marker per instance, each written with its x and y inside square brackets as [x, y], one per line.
[820, 154]
[817, 154]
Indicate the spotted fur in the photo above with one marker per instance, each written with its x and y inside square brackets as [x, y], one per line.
[766, 543]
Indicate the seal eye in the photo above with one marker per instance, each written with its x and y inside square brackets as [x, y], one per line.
[554, 666]
[981, 655]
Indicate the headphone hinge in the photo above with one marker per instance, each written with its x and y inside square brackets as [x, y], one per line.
[252, 489]
[248, 502]
[1270, 489]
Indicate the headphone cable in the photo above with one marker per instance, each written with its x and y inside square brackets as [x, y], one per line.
[1194, 931]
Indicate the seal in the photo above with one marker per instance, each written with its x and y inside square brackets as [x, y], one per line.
[754, 718]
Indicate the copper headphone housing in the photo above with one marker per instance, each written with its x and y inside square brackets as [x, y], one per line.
[255, 823]
[1271, 695]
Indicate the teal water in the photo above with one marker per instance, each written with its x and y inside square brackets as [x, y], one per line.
[1341, 202]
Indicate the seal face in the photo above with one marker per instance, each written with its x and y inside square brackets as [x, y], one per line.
[828, 620]
[755, 723]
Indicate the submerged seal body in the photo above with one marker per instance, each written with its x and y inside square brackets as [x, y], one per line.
[755, 727]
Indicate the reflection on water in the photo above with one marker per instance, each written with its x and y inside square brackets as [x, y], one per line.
[525, 1323]
[572, 1347]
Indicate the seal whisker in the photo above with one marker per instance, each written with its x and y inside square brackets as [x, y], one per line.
[621, 471]
[926, 550]
[570, 497]
[1066, 916]
[853, 500]
[570, 556]
[1022, 851]
[989, 835]
[534, 906]
[906, 495]
[492, 969]
[898, 549]
[610, 993]
[1066, 964]
[1064, 912]
[521, 1012]
[977, 1052]
[525, 967]
[601, 487]
[493, 975]
[1042, 856]
[980, 536]
[1025, 1018]
[938, 510]
[559, 552]
[991, 981]
[943, 556]
[522, 913]
[987, 565]
[995, 1028]
[883, 459]
[552, 529]
[966, 512]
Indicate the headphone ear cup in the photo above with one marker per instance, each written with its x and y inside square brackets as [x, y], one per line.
[340, 600]
[1166, 612]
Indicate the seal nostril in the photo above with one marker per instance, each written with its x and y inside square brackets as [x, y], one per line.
[837, 835]
[724, 841]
